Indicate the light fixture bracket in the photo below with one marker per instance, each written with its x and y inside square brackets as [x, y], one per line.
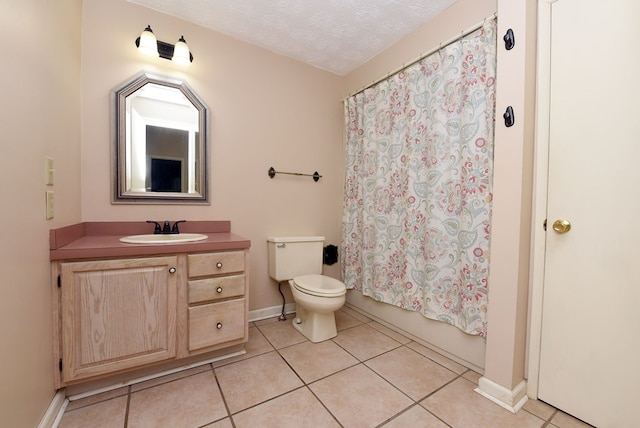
[165, 50]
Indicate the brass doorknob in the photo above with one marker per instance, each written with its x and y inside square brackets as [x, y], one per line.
[561, 226]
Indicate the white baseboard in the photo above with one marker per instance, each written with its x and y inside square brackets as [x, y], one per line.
[510, 399]
[154, 375]
[58, 404]
[54, 412]
[273, 311]
[440, 337]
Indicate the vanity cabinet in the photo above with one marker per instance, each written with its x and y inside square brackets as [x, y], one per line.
[122, 317]
[117, 314]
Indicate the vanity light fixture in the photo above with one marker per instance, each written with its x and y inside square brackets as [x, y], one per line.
[149, 45]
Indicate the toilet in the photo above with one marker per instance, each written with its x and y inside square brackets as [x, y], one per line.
[298, 260]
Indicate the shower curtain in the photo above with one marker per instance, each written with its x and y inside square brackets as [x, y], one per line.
[418, 184]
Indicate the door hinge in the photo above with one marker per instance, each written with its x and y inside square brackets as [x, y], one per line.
[544, 224]
[59, 281]
[60, 364]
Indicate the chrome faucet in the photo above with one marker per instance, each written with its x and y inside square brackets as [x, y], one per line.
[166, 229]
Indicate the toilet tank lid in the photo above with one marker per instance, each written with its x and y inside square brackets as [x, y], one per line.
[295, 239]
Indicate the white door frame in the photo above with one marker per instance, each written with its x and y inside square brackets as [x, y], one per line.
[540, 189]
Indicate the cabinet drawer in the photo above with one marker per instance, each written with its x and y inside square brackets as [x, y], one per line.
[215, 263]
[216, 323]
[221, 287]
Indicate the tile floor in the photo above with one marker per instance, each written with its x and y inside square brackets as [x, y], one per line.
[367, 376]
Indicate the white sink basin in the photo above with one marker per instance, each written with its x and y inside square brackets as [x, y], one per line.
[163, 239]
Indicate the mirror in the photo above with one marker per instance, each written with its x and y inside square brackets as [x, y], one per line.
[161, 136]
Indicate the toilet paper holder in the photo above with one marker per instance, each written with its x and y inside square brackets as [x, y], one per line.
[329, 254]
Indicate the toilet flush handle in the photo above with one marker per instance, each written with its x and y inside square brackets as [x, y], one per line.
[281, 245]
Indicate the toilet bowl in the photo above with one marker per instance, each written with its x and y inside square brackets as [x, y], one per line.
[298, 260]
[317, 298]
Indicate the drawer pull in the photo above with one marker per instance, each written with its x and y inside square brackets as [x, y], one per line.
[219, 325]
[219, 265]
[219, 289]
[172, 270]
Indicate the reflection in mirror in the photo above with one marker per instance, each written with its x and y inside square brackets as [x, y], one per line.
[161, 142]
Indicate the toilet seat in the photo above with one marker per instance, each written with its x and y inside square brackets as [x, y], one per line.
[319, 285]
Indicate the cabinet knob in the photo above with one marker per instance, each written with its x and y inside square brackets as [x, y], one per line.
[172, 270]
[219, 265]
[219, 325]
[219, 289]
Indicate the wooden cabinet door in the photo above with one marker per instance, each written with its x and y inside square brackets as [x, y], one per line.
[117, 314]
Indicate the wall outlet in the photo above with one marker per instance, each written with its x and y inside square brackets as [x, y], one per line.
[48, 171]
[49, 204]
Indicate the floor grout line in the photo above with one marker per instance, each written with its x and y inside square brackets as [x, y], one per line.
[126, 410]
[260, 349]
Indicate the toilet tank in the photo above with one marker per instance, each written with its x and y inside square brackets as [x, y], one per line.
[294, 256]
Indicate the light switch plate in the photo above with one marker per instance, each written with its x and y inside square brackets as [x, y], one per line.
[49, 204]
[48, 170]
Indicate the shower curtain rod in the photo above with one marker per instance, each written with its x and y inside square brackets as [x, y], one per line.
[424, 55]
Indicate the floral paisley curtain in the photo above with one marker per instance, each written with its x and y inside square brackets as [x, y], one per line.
[418, 184]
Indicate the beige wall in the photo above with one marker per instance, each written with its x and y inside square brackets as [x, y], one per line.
[40, 116]
[460, 16]
[266, 110]
[512, 203]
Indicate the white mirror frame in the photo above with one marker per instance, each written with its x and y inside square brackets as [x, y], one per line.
[121, 182]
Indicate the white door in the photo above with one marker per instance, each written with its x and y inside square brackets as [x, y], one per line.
[590, 340]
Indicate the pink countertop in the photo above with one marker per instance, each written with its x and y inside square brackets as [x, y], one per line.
[102, 239]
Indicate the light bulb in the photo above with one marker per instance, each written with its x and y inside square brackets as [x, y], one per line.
[148, 43]
[181, 53]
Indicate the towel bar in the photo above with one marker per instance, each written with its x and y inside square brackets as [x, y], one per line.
[272, 173]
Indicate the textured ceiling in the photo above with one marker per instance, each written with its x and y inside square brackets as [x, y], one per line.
[334, 35]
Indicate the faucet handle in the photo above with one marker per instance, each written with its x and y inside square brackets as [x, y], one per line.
[175, 226]
[157, 229]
